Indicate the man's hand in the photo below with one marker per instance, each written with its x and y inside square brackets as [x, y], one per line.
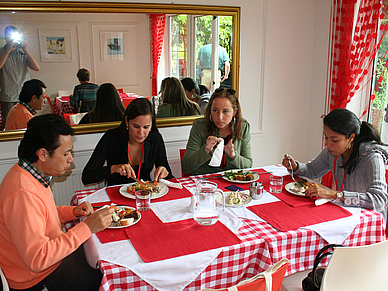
[84, 209]
[99, 220]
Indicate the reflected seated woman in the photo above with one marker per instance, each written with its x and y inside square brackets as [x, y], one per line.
[108, 106]
[175, 101]
[130, 150]
[222, 120]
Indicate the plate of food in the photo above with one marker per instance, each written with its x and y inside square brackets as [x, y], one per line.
[157, 189]
[240, 176]
[299, 187]
[234, 199]
[124, 216]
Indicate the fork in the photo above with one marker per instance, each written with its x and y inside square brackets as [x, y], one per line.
[292, 169]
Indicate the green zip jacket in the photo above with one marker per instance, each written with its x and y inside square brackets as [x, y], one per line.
[196, 159]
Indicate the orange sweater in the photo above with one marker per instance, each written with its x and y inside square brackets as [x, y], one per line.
[31, 239]
[18, 117]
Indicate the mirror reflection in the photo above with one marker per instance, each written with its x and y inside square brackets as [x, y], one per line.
[116, 49]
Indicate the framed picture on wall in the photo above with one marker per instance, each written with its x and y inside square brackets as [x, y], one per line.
[114, 46]
[55, 45]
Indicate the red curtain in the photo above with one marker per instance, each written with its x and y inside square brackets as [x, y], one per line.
[157, 26]
[354, 44]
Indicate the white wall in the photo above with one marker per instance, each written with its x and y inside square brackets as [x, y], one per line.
[282, 82]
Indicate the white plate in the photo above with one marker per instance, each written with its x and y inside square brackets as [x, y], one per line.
[256, 177]
[163, 191]
[134, 222]
[227, 194]
[290, 188]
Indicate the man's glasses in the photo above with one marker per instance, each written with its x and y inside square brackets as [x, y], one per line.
[230, 91]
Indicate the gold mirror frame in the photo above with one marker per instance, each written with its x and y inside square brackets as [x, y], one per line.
[147, 8]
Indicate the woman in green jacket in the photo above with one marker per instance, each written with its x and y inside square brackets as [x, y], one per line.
[222, 120]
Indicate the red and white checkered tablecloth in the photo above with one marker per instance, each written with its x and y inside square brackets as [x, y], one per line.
[261, 246]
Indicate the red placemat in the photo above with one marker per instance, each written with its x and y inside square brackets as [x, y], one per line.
[285, 217]
[222, 183]
[155, 241]
[173, 193]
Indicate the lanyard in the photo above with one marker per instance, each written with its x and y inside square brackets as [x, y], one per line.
[335, 178]
[141, 157]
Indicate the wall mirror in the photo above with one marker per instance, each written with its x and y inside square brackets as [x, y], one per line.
[67, 18]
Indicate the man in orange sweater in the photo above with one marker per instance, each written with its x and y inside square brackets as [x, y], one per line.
[31, 99]
[35, 253]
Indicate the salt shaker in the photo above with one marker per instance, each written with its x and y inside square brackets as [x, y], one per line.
[256, 190]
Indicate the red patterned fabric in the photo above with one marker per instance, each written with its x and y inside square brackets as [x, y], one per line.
[157, 26]
[353, 48]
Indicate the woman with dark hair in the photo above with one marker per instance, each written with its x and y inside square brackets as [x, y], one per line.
[108, 106]
[130, 150]
[175, 101]
[223, 120]
[356, 157]
[197, 93]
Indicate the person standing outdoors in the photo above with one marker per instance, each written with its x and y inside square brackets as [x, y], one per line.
[205, 62]
[15, 59]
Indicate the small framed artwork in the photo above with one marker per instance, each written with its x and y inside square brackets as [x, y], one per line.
[114, 46]
[55, 45]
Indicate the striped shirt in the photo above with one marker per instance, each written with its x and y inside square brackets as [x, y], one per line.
[24, 164]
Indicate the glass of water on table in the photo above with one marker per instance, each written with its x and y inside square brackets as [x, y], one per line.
[143, 200]
[275, 184]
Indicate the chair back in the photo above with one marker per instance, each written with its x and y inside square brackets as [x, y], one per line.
[181, 154]
[3, 281]
[64, 93]
[52, 107]
[269, 280]
[357, 268]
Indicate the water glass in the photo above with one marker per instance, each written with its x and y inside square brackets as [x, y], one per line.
[143, 200]
[275, 184]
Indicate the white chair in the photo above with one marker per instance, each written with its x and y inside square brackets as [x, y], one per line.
[4, 281]
[357, 268]
[294, 282]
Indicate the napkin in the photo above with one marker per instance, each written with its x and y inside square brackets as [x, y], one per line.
[171, 184]
[217, 155]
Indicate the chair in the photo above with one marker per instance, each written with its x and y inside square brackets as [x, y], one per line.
[181, 154]
[357, 268]
[52, 106]
[4, 281]
[64, 92]
[269, 280]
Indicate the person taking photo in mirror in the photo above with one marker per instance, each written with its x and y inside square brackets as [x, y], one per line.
[130, 150]
[356, 157]
[15, 59]
[222, 121]
[35, 253]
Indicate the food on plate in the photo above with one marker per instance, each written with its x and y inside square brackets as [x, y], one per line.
[239, 175]
[236, 198]
[152, 186]
[123, 216]
[302, 185]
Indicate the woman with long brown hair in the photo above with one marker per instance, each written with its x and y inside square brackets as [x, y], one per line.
[175, 101]
[223, 120]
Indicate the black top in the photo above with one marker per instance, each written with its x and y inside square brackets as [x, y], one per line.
[113, 148]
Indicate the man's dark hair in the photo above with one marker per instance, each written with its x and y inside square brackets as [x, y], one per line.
[30, 88]
[83, 75]
[42, 132]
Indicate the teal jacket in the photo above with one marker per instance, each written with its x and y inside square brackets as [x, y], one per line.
[196, 159]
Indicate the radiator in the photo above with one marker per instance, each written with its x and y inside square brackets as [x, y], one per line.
[64, 187]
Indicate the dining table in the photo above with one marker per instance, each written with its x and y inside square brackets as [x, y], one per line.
[167, 250]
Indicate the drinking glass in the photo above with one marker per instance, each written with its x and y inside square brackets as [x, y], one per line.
[143, 200]
[275, 184]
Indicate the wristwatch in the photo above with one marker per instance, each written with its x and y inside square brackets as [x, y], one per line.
[340, 195]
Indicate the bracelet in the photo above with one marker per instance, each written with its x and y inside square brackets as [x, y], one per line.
[6, 51]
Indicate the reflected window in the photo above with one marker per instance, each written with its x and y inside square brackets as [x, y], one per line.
[188, 34]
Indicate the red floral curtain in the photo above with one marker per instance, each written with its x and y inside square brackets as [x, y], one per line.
[354, 44]
[157, 26]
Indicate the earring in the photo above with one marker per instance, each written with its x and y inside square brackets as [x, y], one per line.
[211, 118]
[127, 127]
[350, 145]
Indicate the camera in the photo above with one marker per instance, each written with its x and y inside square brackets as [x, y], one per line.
[17, 44]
